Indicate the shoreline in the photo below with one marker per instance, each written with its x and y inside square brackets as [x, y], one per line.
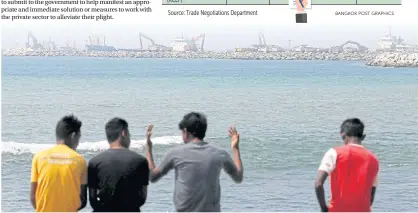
[376, 59]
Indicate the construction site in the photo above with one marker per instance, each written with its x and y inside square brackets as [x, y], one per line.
[33, 44]
[98, 44]
[193, 48]
[262, 46]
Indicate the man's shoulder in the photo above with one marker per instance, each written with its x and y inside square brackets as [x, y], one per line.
[332, 152]
[133, 158]
[124, 154]
[41, 153]
[47, 151]
[73, 155]
[339, 147]
[133, 154]
[136, 156]
[218, 151]
[58, 149]
[208, 147]
[98, 157]
[372, 155]
[178, 148]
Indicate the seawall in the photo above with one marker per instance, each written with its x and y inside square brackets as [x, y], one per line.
[371, 58]
[394, 60]
[202, 55]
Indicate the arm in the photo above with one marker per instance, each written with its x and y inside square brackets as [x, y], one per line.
[234, 167]
[319, 190]
[34, 181]
[327, 167]
[143, 180]
[375, 184]
[83, 185]
[92, 183]
[165, 166]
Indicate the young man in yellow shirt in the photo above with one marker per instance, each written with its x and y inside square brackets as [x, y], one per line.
[59, 174]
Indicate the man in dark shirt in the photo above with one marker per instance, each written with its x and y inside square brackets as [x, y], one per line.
[118, 177]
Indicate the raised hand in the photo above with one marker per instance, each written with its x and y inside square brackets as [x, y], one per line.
[234, 136]
[148, 134]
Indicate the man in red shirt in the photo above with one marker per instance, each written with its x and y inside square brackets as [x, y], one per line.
[353, 172]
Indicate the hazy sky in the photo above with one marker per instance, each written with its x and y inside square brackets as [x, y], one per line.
[222, 33]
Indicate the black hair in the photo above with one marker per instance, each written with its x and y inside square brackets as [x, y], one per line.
[352, 127]
[66, 126]
[195, 123]
[114, 128]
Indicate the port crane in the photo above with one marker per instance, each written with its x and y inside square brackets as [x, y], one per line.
[96, 40]
[51, 44]
[153, 46]
[197, 38]
[263, 47]
[35, 44]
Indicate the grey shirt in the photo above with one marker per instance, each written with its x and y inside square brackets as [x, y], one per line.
[197, 169]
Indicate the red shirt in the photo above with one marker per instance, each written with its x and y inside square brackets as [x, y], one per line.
[353, 172]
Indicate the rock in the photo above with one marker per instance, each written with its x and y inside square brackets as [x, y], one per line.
[394, 59]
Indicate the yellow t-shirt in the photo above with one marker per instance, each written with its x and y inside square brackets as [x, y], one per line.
[59, 173]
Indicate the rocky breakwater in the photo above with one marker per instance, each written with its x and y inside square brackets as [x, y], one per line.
[395, 60]
[346, 56]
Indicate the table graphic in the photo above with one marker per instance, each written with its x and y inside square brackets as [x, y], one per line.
[301, 15]
[280, 2]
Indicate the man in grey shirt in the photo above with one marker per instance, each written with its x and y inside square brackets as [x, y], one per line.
[197, 166]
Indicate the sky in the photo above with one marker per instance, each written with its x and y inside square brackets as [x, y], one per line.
[227, 32]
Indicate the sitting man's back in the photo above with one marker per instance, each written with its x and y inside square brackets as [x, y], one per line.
[59, 174]
[197, 165]
[118, 177]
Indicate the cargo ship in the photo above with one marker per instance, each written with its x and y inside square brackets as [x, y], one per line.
[95, 47]
[99, 47]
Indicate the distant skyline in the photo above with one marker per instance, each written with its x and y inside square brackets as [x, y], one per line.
[324, 29]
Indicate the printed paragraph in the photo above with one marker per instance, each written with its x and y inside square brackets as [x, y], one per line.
[16, 10]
